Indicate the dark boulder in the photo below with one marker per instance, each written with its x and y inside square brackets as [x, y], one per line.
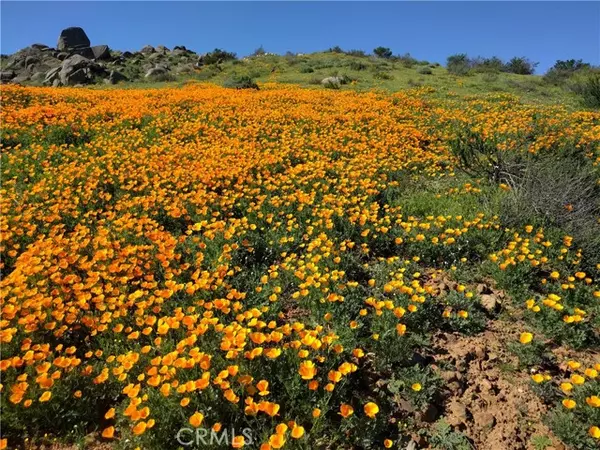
[147, 50]
[101, 52]
[7, 75]
[114, 77]
[72, 38]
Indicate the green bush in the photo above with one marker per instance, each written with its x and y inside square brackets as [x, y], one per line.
[218, 56]
[357, 65]
[458, 64]
[240, 82]
[382, 52]
[520, 66]
[563, 70]
[588, 88]
[425, 70]
[380, 75]
[306, 69]
[358, 53]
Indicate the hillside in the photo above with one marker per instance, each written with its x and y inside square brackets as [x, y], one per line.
[75, 63]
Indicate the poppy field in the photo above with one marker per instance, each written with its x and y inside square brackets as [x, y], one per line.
[291, 268]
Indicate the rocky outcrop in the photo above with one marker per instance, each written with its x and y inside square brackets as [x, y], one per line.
[72, 38]
[75, 62]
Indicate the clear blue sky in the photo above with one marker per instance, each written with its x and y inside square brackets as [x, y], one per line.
[542, 31]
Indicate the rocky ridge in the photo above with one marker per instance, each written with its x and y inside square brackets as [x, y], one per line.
[75, 62]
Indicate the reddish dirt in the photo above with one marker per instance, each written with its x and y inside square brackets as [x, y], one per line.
[490, 402]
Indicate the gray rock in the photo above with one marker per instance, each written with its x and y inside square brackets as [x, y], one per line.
[101, 52]
[127, 55]
[72, 38]
[333, 81]
[7, 75]
[155, 72]
[80, 76]
[38, 77]
[86, 52]
[147, 50]
[20, 78]
[56, 83]
[114, 77]
[40, 47]
[77, 69]
[52, 75]
[162, 49]
[62, 56]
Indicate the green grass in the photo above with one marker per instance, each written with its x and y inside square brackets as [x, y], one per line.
[372, 73]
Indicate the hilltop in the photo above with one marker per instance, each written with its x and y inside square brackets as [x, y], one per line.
[75, 62]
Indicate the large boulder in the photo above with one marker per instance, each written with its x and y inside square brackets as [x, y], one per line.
[114, 77]
[72, 38]
[52, 75]
[156, 72]
[77, 70]
[7, 75]
[147, 50]
[101, 52]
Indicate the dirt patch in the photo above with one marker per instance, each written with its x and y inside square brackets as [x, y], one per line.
[489, 400]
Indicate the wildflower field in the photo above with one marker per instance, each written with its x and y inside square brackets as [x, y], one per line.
[323, 269]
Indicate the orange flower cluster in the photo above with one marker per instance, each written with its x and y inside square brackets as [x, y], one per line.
[194, 256]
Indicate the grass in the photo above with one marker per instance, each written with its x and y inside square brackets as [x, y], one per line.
[371, 73]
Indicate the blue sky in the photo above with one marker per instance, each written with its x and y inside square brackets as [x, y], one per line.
[542, 31]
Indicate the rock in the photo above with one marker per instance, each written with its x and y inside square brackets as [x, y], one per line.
[100, 52]
[56, 83]
[38, 77]
[20, 78]
[448, 375]
[72, 38]
[52, 75]
[62, 56]
[40, 47]
[155, 72]
[490, 302]
[147, 50]
[114, 77]
[162, 49]
[86, 52]
[7, 75]
[479, 352]
[482, 289]
[31, 60]
[484, 419]
[458, 413]
[127, 55]
[77, 69]
[334, 81]
[80, 76]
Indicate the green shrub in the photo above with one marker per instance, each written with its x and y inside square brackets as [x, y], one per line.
[458, 64]
[306, 69]
[218, 56]
[240, 82]
[406, 60]
[380, 75]
[425, 70]
[490, 77]
[358, 53]
[382, 52]
[588, 89]
[520, 66]
[563, 70]
[357, 65]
